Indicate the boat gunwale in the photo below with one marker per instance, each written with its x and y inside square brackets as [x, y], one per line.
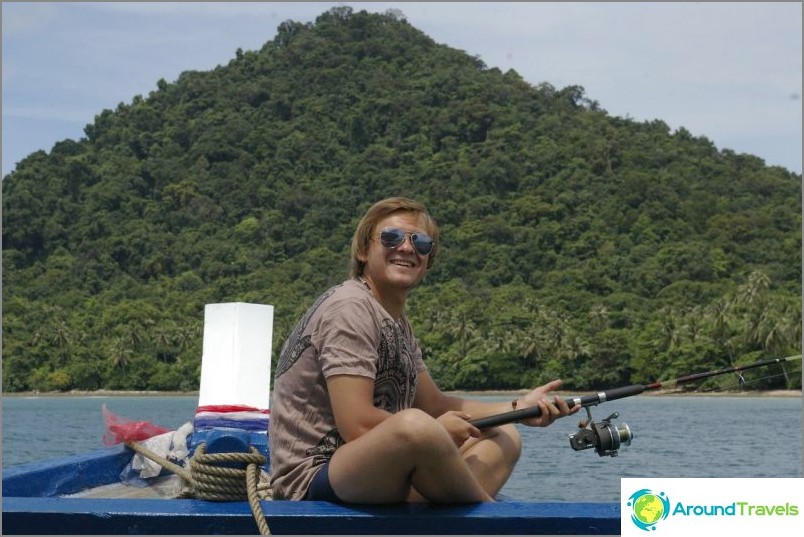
[33, 502]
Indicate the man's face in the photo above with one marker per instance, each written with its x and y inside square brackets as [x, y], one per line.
[401, 267]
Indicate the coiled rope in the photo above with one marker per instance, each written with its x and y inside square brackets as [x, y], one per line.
[211, 477]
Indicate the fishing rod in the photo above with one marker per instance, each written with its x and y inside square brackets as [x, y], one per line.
[605, 436]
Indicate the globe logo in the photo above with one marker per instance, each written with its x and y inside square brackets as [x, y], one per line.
[648, 508]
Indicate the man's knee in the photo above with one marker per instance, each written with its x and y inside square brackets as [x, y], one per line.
[516, 440]
[510, 441]
[420, 431]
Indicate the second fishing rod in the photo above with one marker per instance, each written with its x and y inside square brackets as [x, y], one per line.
[604, 436]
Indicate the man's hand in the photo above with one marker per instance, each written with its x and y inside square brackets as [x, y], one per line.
[457, 425]
[552, 408]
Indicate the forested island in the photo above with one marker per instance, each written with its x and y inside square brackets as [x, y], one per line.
[575, 244]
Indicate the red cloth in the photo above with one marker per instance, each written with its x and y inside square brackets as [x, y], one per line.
[122, 430]
[231, 408]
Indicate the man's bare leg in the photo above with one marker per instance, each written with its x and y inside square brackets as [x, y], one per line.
[492, 457]
[409, 449]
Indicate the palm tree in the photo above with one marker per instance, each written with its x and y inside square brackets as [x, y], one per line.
[497, 342]
[575, 347]
[132, 335]
[598, 317]
[720, 316]
[163, 336]
[557, 332]
[669, 330]
[694, 323]
[120, 353]
[774, 339]
[59, 334]
[533, 344]
[461, 329]
[186, 334]
[791, 320]
[754, 289]
[757, 326]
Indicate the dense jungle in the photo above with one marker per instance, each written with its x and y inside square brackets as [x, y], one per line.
[575, 244]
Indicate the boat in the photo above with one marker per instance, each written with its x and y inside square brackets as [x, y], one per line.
[45, 498]
[99, 493]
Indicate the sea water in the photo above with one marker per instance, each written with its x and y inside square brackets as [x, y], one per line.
[674, 436]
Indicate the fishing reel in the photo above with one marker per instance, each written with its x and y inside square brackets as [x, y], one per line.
[605, 436]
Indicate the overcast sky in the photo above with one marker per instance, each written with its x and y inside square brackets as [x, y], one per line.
[728, 71]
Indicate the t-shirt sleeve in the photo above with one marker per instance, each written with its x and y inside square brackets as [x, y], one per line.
[348, 338]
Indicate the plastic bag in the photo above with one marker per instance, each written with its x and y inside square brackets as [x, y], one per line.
[122, 430]
[141, 471]
[171, 445]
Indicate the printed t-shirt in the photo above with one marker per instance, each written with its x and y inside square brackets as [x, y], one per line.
[346, 332]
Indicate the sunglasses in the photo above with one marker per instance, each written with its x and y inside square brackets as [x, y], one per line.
[392, 237]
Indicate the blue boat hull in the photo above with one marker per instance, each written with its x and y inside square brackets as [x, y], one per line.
[32, 504]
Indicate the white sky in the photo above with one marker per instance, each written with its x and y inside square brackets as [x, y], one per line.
[728, 71]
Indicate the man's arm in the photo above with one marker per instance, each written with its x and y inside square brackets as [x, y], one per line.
[352, 399]
[433, 401]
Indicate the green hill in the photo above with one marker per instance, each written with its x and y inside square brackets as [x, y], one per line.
[575, 244]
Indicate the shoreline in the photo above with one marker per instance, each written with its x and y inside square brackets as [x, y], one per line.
[102, 393]
[493, 393]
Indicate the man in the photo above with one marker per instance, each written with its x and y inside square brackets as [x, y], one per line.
[355, 415]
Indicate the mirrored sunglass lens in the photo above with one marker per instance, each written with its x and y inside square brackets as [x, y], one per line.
[422, 243]
[391, 238]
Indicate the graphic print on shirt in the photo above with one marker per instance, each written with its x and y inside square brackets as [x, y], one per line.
[323, 451]
[296, 344]
[395, 383]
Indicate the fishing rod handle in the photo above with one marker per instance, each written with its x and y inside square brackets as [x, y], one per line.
[513, 416]
[506, 417]
[534, 411]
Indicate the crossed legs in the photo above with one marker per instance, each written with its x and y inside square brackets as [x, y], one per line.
[411, 457]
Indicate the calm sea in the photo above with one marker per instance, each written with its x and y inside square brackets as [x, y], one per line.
[673, 437]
